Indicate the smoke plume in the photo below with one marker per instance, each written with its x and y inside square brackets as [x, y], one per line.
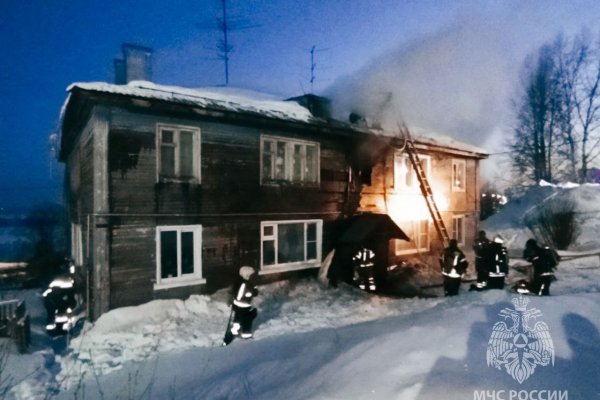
[460, 80]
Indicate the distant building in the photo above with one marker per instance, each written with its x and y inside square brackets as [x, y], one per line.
[593, 175]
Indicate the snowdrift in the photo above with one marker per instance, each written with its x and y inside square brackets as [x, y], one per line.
[511, 221]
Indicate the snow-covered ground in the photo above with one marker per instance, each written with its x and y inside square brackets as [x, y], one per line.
[313, 342]
[511, 223]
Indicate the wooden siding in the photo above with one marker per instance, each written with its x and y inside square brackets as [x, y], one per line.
[81, 176]
[229, 203]
[133, 248]
[101, 233]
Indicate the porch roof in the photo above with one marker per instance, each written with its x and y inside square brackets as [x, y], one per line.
[370, 227]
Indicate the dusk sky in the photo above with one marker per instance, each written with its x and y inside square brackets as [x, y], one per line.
[451, 66]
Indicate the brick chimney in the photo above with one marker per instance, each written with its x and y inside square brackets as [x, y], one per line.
[136, 64]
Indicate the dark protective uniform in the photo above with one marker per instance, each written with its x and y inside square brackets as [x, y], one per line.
[363, 263]
[243, 314]
[496, 264]
[480, 246]
[454, 264]
[544, 260]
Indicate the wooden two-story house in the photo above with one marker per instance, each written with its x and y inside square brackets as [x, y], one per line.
[170, 190]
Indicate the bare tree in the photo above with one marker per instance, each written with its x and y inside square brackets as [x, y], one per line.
[557, 134]
[568, 64]
[586, 98]
[538, 116]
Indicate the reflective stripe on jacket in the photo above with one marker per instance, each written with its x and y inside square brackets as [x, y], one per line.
[243, 297]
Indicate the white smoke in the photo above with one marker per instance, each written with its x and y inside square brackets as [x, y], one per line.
[460, 80]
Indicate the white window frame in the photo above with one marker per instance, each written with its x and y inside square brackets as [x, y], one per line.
[403, 166]
[458, 229]
[416, 230]
[288, 162]
[457, 184]
[196, 160]
[292, 266]
[76, 244]
[194, 278]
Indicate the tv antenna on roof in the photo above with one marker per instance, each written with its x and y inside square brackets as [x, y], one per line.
[313, 67]
[225, 25]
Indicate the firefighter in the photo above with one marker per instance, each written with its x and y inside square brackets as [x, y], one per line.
[454, 264]
[242, 311]
[544, 261]
[364, 269]
[496, 263]
[481, 248]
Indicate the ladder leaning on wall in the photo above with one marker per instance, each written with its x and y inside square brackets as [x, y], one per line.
[436, 216]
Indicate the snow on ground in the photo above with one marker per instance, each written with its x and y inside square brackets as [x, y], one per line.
[373, 348]
[28, 375]
[313, 342]
[134, 333]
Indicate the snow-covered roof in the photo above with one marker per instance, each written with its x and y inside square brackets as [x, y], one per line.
[247, 101]
[227, 99]
[429, 137]
[438, 139]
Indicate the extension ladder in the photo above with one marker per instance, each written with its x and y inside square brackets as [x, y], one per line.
[436, 216]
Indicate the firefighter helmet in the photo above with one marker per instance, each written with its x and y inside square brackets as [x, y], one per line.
[246, 272]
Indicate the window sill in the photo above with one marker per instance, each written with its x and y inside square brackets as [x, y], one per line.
[190, 181]
[287, 268]
[411, 251]
[179, 283]
[285, 183]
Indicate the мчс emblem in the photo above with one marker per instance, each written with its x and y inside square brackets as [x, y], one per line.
[517, 346]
